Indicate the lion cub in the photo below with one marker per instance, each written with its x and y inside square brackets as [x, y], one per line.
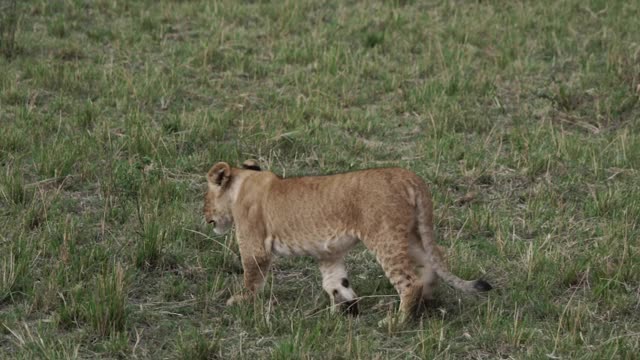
[389, 210]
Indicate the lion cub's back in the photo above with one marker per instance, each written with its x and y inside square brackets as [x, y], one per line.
[326, 204]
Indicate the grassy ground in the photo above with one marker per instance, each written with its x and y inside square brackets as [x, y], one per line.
[524, 117]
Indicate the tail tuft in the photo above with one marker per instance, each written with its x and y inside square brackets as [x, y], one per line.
[482, 286]
[251, 165]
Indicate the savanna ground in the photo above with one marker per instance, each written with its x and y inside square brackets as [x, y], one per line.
[524, 117]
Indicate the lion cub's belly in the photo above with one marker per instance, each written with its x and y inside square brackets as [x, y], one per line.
[336, 245]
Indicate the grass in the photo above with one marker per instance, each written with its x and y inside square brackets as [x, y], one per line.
[8, 25]
[524, 117]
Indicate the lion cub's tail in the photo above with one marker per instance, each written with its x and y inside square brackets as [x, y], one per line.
[425, 228]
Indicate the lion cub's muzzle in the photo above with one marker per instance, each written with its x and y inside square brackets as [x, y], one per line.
[220, 226]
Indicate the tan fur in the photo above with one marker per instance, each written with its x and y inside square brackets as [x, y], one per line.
[388, 209]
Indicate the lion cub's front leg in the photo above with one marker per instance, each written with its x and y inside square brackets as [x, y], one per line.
[256, 269]
[255, 263]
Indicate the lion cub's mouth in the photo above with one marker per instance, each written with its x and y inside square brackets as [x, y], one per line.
[220, 226]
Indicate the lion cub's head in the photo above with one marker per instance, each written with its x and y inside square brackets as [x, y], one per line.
[218, 200]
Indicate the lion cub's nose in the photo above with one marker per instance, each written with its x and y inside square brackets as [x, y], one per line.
[212, 222]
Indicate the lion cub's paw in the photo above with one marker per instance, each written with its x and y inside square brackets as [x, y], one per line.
[393, 321]
[238, 298]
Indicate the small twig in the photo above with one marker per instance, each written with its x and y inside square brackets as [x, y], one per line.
[170, 313]
[138, 337]
[49, 180]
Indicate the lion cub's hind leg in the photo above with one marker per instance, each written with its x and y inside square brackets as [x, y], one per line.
[428, 276]
[399, 268]
[336, 284]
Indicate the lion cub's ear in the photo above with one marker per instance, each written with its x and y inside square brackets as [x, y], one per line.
[219, 174]
[251, 165]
